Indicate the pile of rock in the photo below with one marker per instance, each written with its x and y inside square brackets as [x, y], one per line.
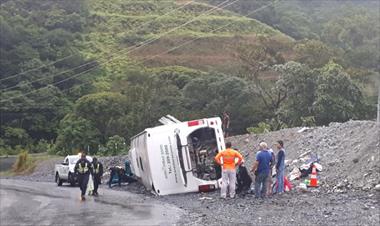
[349, 152]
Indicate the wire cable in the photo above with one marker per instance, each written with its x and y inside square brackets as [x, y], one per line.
[192, 40]
[220, 6]
[130, 49]
[69, 56]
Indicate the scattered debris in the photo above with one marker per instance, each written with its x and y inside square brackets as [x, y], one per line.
[205, 198]
[303, 129]
[345, 150]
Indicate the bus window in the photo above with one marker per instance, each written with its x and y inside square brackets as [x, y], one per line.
[180, 156]
[203, 149]
[142, 168]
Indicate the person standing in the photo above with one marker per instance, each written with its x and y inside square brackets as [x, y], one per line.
[226, 124]
[280, 166]
[261, 168]
[226, 159]
[83, 169]
[98, 173]
[269, 179]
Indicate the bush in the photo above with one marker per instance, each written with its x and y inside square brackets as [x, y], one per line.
[41, 146]
[23, 163]
[308, 121]
[262, 127]
[115, 146]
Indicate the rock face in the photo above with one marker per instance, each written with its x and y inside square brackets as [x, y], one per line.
[349, 152]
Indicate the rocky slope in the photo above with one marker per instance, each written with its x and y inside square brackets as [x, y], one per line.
[349, 152]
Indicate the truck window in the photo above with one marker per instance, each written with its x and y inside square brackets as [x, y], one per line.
[66, 161]
[203, 148]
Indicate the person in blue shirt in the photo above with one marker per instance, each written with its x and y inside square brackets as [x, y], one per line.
[261, 168]
[280, 166]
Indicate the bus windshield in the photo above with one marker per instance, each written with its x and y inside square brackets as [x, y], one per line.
[203, 149]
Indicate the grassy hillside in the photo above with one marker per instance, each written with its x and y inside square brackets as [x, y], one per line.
[118, 24]
[47, 105]
[351, 28]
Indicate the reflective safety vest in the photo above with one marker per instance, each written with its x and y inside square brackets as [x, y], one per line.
[82, 169]
[96, 168]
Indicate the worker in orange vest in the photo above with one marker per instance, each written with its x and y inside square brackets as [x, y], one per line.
[226, 159]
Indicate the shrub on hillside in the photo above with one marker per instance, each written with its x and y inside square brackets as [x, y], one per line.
[262, 127]
[24, 163]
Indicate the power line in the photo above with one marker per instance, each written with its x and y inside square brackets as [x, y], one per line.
[131, 49]
[71, 55]
[220, 6]
[192, 40]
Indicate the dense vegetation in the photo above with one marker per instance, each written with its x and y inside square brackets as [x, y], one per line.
[311, 71]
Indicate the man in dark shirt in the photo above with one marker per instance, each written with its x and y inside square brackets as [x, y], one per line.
[280, 166]
[116, 171]
[83, 168]
[261, 168]
[98, 173]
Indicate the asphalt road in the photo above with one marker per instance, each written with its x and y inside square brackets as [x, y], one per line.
[37, 203]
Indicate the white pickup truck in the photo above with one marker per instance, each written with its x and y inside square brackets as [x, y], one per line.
[64, 172]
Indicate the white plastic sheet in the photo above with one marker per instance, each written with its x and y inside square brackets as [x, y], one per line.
[90, 185]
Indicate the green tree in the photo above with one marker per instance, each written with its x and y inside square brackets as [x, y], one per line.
[212, 95]
[299, 82]
[337, 98]
[313, 53]
[116, 145]
[76, 133]
[105, 111]
[15, 136]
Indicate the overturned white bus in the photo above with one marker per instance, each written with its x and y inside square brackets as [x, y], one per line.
[178, 157]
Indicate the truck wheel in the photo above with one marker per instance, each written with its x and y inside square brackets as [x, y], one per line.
[58, 180]
[71, 180]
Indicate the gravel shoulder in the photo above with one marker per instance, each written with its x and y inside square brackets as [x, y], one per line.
[316, 207]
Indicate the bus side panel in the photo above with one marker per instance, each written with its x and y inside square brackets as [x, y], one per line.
[145, 166]
[164, 163]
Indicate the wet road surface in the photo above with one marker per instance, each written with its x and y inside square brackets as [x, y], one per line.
[36, 203]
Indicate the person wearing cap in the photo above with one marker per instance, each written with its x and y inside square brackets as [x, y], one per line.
[261, 168]
[227, 159]
[98, 173]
